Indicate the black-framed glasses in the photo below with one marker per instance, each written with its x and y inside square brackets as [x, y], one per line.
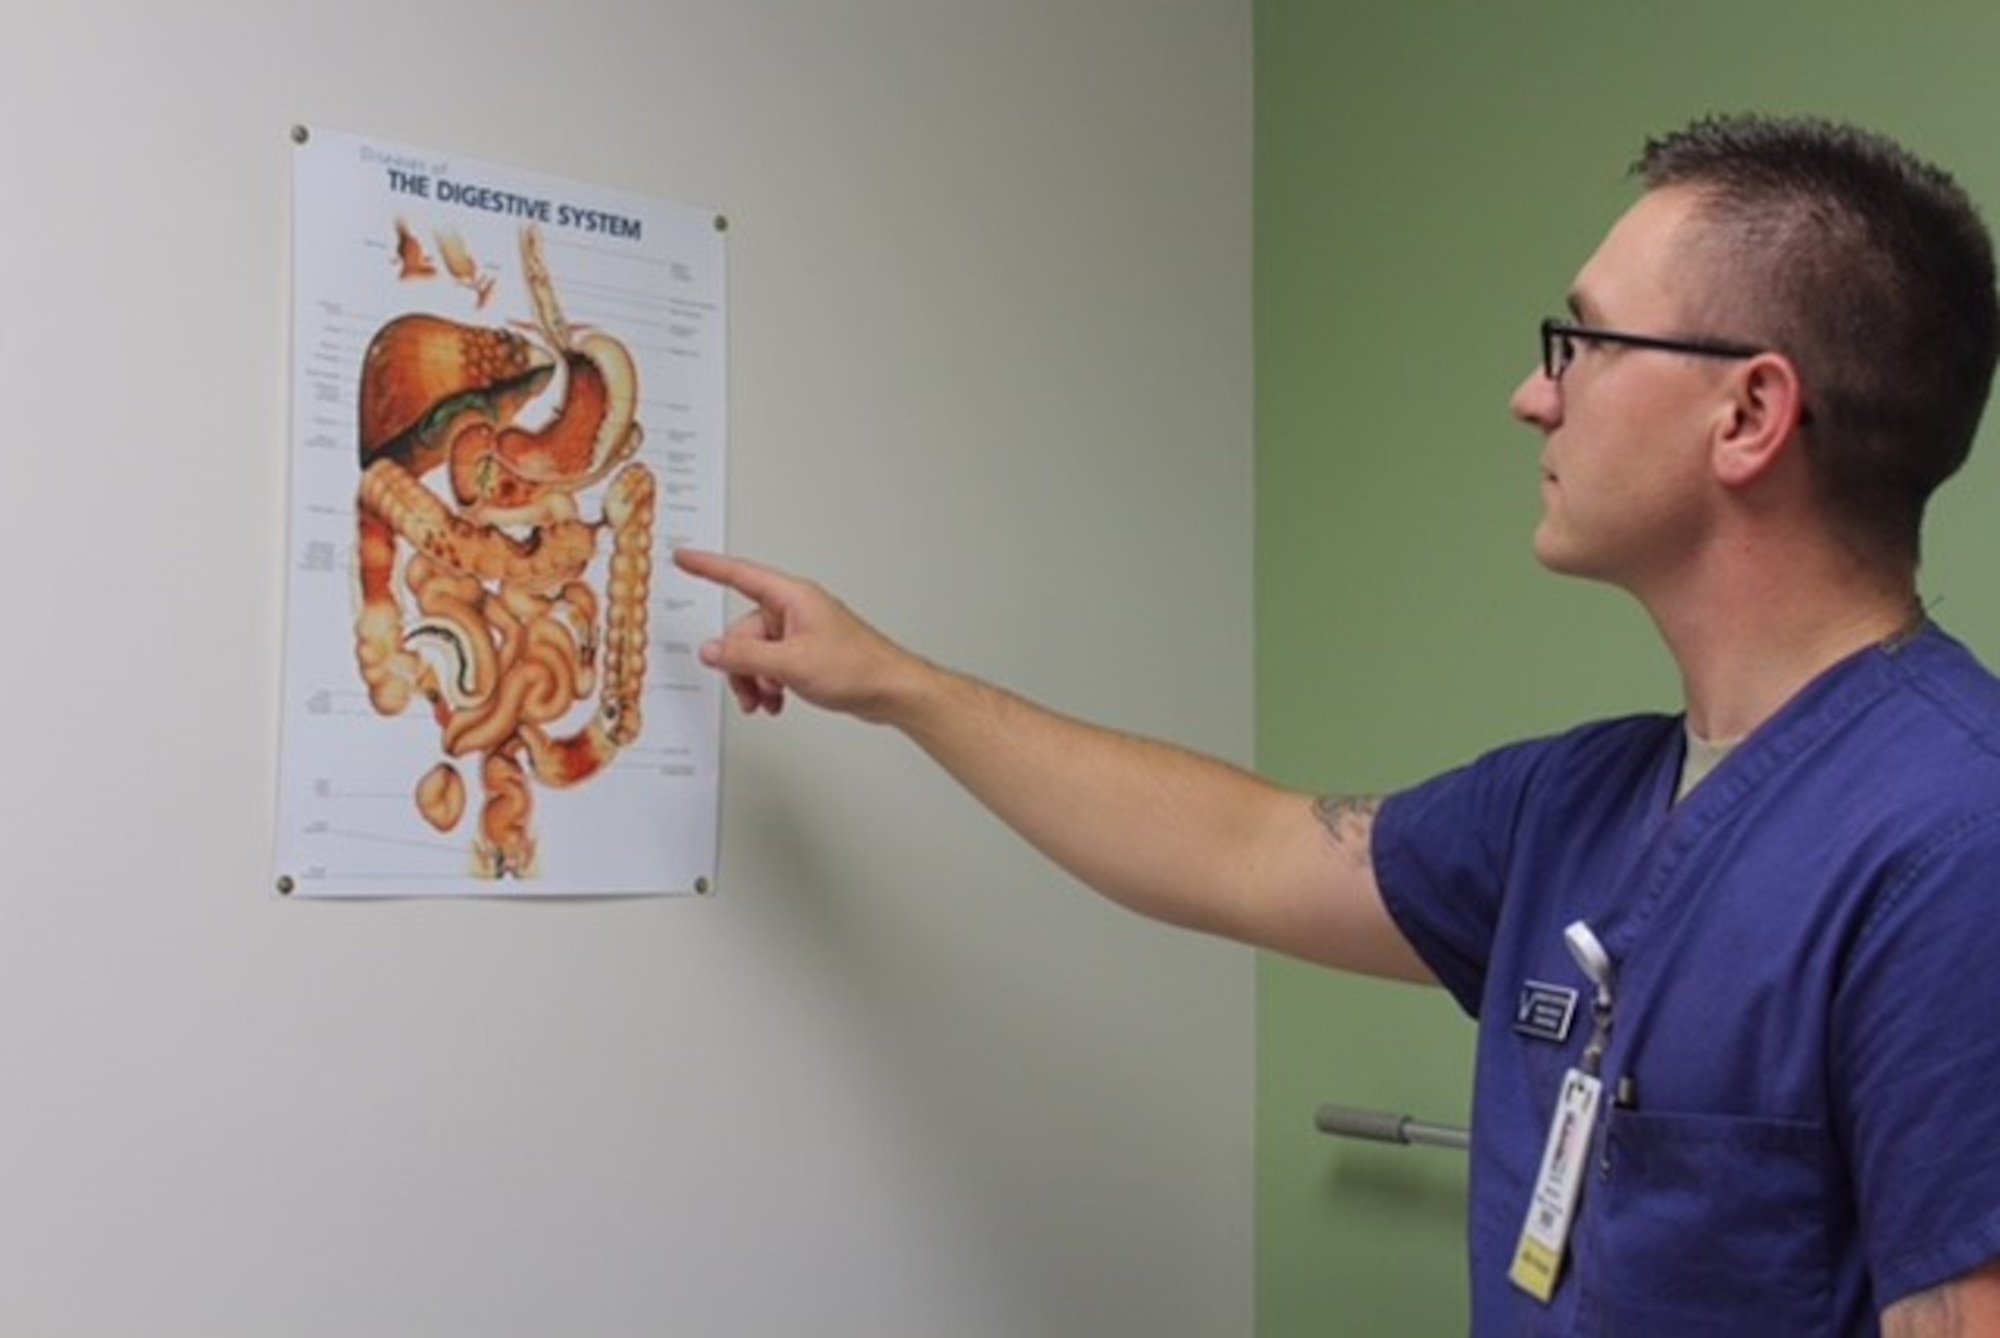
[1559, 341]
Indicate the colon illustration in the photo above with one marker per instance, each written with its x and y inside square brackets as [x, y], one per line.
[497, 461]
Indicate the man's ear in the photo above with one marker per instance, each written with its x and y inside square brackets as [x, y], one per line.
[1760, 420]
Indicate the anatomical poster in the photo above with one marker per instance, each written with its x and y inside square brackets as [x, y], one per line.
[507, 396]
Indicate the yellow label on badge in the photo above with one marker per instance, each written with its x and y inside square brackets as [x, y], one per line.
[1534, 1270]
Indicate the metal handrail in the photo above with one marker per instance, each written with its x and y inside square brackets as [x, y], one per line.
[1382, 1127]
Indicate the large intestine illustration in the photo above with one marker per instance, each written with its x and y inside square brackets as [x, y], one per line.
[485, 449]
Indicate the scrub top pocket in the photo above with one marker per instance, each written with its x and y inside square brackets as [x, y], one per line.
[1761, 1261]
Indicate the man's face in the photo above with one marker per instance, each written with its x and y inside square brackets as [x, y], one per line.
[1625, 480]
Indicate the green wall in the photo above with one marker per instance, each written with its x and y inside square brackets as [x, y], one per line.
[1429, 176]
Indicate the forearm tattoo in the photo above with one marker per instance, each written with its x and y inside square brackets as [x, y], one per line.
[1349, 821]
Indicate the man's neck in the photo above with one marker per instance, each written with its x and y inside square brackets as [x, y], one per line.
[1746, 649]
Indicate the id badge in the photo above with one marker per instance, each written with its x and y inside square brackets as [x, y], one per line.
[1552, 1210]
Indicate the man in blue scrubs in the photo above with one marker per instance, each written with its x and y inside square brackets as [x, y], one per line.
[1735, 969]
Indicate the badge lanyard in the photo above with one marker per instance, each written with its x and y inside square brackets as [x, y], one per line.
[1566, 1154]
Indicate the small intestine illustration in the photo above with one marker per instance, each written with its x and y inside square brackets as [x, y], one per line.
[484, 451]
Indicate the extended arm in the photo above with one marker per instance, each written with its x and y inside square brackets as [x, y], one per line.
[1166, 832]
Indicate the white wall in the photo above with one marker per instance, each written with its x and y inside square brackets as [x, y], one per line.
[989, 268]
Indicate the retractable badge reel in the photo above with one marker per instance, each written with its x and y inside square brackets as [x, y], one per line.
[1566, 1154]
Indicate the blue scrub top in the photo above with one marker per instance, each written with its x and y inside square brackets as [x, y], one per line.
[1807, 1015]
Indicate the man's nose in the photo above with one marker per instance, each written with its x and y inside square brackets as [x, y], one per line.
[1537, 401]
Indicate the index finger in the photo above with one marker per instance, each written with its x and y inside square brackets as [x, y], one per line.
[746, 578]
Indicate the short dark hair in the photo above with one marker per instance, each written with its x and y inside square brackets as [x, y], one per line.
[1873, 272]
